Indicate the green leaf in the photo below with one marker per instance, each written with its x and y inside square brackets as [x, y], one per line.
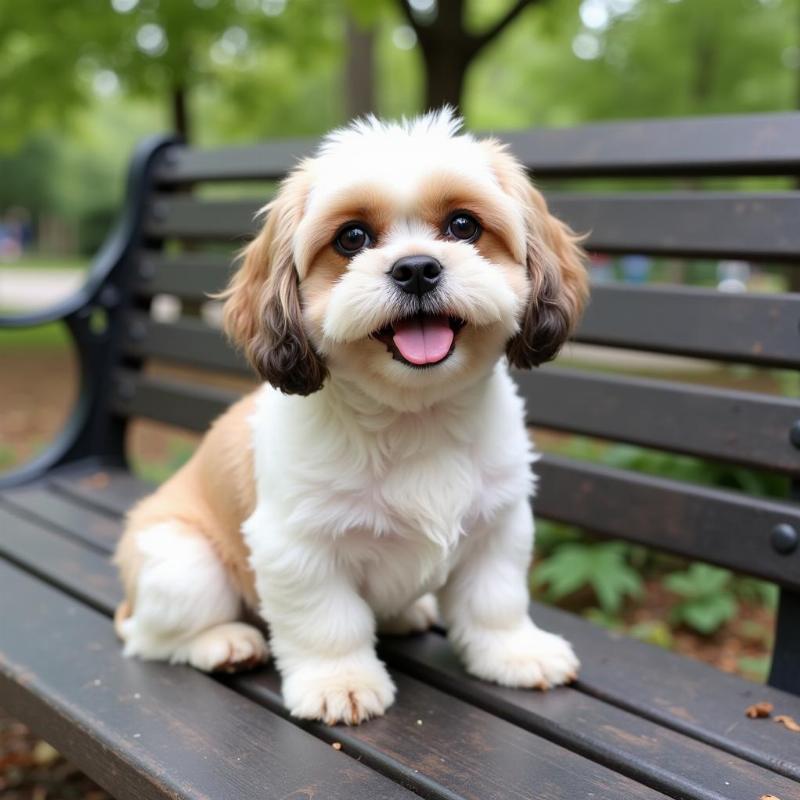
[698, 581]
[602, 566]
[708, 614]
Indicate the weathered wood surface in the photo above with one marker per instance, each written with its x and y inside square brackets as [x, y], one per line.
[676, 729]
[147, 731]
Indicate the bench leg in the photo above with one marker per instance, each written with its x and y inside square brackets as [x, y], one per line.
[785, 673]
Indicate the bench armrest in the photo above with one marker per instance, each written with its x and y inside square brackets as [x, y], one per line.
[89, 432]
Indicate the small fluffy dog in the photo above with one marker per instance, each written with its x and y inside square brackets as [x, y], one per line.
[385, 462]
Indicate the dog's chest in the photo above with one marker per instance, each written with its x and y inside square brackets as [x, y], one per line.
[429, 492]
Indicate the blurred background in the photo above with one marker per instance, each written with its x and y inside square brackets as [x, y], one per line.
[82, 81]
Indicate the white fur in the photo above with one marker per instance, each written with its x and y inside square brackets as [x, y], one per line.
[363, 510]
[185, 608]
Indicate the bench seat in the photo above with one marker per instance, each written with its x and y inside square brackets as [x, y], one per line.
[640, 722]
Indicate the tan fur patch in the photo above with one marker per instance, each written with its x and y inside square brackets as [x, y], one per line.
[210, 496]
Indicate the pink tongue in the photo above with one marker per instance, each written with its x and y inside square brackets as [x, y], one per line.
[423, 341]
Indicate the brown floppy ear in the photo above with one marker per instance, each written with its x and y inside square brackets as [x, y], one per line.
[556, 268]
[262, 313]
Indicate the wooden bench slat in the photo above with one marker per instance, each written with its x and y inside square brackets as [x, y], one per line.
[479, 769]
[84, 572]
[754, 329]
[186, 217]
[723, 527]
[742, 427]
[574, 720]
[677, 765]
[191, 275]
[44, 505]
[752, 144]
[184, 405]
[688, 224]
[263, 162]
[670, 758]
[147, 731]
[691, 224]
[186, 341]
[679, 692]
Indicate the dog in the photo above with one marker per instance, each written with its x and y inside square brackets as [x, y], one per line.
[384, 466]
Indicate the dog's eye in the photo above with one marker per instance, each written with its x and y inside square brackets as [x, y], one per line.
[352, 239]
[463, 227]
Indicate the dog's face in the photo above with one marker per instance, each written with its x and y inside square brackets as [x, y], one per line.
[406, 259]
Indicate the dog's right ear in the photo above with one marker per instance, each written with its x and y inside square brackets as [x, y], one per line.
[262, 313]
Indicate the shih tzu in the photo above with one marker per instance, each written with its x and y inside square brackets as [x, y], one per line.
[385, 464]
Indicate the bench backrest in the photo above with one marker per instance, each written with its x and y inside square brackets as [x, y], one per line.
[200, 206]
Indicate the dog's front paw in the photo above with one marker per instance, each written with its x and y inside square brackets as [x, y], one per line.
[348, 690]
[524, 657]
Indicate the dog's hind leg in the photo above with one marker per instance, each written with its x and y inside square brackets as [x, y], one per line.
[183, 606]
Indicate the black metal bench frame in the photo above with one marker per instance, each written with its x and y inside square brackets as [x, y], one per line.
[40, 533]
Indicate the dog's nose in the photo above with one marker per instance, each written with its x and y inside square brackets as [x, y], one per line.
[416, 274]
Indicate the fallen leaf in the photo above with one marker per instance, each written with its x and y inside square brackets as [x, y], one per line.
[759, 710]
[788, 722]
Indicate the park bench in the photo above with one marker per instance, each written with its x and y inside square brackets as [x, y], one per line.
[640, 722]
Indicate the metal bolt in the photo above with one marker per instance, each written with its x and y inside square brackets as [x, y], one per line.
[784, 539]
[794, 434]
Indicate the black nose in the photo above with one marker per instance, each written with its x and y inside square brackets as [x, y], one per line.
[416, 274]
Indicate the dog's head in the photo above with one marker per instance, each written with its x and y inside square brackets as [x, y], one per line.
[407, 258]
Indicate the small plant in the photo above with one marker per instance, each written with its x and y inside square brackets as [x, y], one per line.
[708, 600]
[603, 566]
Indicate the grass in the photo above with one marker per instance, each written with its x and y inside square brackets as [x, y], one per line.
[46, 261]
[42, 337]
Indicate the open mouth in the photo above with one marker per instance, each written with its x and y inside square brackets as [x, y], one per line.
[422, 340]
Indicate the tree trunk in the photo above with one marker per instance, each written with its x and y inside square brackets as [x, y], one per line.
[445, 71]
[180, 112]
[359, 71]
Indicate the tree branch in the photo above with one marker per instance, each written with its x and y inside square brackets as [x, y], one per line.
[482, 39]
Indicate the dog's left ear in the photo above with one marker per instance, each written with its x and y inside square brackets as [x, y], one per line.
[262, 312]
[556, 268]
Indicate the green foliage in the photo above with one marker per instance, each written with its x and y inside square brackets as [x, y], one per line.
[42, 337]
[601, 566]
[570, 560]
[757, 592]
[708, 601]
[756, 669]
[7, 458]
